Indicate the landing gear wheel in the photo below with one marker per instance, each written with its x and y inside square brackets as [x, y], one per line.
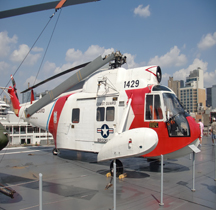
[119, 168]
[55, 151]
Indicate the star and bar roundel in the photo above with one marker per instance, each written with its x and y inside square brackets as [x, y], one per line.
[105, 130]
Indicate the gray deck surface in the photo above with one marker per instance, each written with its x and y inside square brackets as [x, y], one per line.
[73, 180]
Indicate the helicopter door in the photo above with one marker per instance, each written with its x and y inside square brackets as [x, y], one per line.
[82, 125]
[105, 120]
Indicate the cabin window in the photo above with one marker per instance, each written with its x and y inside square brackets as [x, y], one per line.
[110, 113]
[153, 108]
[100, 113]
[75, 115]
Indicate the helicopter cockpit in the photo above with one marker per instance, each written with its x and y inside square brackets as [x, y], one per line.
[163, 105]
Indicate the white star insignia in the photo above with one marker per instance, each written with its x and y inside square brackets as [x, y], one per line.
[105, 131]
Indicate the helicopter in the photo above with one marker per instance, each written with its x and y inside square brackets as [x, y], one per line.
[114, 112]
[3, 137]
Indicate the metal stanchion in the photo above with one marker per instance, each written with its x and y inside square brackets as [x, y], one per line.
[195, 150]
[114, 183]
[193, 173]
[215, 163]
[40, 191]
[161, 203]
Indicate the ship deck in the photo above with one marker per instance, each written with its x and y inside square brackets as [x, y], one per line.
[74, 180]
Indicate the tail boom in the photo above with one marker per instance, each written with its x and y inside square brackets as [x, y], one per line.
[14, 100]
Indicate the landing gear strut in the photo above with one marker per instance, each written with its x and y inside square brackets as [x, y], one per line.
[119, 172]
[55, 151]
[119, 167]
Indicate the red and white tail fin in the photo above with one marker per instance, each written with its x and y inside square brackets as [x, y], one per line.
[14, 97]
[32, 96]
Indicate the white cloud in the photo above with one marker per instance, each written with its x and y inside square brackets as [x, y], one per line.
[31, 80]
[63, 68]
[172, 58]
[207, 41]
[142, 11]
[37, 49]
[183, 73]
[165, 78]
[73, 55]
[3, 66]
[5, 43]
[94, 51]
[78, 57]
[19, 55]
[48, 67]
[130, 61]
[209, 78]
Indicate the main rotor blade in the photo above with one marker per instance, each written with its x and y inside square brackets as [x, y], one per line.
[70, 82]
[55, 76]
[39, 7]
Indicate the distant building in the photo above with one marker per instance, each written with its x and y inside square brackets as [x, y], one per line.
[26, 97]
[193, 94]
[21, 132]
[211, 97]
[175, 85]
[208, 97]
[6, 100]
[214, 97]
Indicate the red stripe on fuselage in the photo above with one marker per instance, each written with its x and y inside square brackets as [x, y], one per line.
[56, 112]
[166, 144]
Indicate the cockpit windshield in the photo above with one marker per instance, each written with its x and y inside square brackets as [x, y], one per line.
[176, 117]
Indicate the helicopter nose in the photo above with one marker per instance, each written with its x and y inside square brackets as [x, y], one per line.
[195, 129]
[3, 140]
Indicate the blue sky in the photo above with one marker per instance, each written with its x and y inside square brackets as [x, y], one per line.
[177, 35]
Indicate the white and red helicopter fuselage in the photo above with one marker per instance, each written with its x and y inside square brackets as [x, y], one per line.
[111, 103]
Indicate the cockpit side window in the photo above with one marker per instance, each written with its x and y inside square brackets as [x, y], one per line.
[149, 104]
[153, 107]
[177, 123]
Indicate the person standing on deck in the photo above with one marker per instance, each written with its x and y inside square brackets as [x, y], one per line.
[213, 131]
[201, 131]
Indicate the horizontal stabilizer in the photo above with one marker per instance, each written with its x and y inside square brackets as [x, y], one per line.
[131, 143]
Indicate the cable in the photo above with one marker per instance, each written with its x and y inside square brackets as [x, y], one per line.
[30, 50]
[28, 54]
[47, 46]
